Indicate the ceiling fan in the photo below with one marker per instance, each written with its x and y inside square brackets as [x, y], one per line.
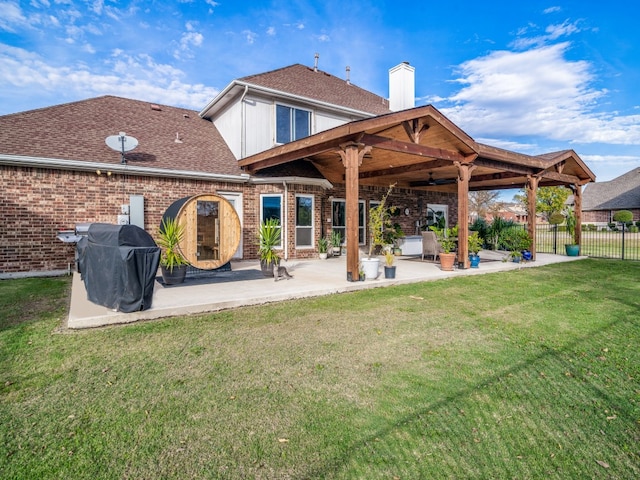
[432, 182]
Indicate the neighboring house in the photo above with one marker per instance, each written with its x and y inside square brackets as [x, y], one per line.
[601, 200]
[273, 144]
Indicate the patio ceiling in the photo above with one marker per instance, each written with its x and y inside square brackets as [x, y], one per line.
[421, 149]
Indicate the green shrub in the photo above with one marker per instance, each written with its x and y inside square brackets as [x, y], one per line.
[623, 216]
[634, 229]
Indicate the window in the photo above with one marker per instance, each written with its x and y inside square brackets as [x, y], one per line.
[292, 124]
[304, 221]
[271, 207]
[437, 216]
[339, 219]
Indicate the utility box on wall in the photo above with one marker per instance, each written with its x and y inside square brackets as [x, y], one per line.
[136, 210]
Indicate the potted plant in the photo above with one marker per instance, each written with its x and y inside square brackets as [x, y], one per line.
[572, 249]
[379, 219]
[475, 245]
[173, 265]
[335, 239]
[389, 268]
[323, 245]
[447, 256]
[268, 240]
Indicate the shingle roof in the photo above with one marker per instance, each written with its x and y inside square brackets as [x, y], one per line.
[321, 86]
[77, 131]
[621, 193]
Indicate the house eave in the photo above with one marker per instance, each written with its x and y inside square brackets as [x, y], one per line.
[87, 166]
[219, 101]
[317, 182]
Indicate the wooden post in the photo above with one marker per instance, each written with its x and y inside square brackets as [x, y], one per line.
[464, 175]
[532, 195]
[352, 155]
[577, 209]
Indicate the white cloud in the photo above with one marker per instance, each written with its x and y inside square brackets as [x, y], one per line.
[249, 36]
[138, 77]
[536, 92]
[12, 16]
[271, 31]
[552, 10]
[552, 33]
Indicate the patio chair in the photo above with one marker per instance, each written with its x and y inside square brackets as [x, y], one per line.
[430, 245]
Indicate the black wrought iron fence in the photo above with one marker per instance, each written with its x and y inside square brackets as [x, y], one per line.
[604, 242]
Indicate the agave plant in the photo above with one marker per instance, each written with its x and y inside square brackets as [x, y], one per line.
[170, 235]
[268, 240]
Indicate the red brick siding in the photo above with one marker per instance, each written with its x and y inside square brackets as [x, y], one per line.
[37, 203]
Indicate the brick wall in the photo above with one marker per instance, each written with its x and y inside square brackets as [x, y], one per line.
[37, 203]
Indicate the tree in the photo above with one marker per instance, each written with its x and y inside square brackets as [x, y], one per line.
[484, 202]
[548, 200]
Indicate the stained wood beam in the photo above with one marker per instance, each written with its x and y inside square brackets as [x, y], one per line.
[414, 128]
[414, 167]
[392, 145]
[560, 177]
[504, 166]
[532, 195]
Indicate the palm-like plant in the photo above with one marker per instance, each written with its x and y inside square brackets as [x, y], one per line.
[268, 240]
[170, 235]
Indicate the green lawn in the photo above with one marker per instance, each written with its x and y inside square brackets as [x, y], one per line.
[528, 374]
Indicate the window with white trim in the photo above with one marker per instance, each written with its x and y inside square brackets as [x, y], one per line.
[339, 219]
[292, 123]
[304, 221]
[271, 207]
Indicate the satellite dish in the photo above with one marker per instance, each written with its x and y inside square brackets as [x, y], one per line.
[121, 143]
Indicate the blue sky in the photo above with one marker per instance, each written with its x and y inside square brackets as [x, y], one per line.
[532, 76]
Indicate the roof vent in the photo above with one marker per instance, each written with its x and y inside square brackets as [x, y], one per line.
[315, 62]
[348, 75]
[156, 107]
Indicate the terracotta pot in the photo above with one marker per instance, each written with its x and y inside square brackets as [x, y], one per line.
[447, 260]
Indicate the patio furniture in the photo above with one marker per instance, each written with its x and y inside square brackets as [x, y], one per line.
[430, 245]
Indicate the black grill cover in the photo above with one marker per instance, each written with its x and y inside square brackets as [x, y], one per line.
[118, 264]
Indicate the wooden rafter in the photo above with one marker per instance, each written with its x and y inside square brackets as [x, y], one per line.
[414, 167]
[391, 145]
[414, 128]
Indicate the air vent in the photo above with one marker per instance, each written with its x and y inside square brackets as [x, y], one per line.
[156, 107]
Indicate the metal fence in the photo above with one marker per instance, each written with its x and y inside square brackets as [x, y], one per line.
[608, 243]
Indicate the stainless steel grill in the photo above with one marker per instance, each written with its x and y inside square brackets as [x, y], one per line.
[74, 236]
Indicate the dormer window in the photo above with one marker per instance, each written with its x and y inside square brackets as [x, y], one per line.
[292, 124]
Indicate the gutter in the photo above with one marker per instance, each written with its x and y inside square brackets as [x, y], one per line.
[315, 182]
[87, 166]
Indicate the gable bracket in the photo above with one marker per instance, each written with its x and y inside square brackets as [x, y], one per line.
[414, 128]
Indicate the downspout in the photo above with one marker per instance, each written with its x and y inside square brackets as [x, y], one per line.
[285, 226]
[242, 122]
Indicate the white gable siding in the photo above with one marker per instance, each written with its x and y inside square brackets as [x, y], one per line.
[325, 121]
[229, 124]
[259, 126]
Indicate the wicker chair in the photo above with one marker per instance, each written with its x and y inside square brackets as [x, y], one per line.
[430, 245]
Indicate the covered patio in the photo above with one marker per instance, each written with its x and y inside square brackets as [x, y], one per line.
[420, 149]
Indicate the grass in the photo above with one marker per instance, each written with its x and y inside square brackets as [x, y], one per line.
[526, 374]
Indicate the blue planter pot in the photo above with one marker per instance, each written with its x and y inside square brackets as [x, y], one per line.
[475, 260]
[526, 255]
[572, 250]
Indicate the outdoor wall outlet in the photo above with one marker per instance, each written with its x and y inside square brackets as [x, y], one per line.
[124, 209]
[123, 219]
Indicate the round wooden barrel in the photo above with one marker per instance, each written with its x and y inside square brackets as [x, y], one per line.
[211, 229]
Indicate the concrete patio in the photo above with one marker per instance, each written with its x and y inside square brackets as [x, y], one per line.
[245, 285]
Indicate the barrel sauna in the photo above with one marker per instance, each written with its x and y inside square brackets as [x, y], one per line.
[212, 229]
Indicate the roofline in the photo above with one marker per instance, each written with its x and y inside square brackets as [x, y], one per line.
[318, 182]
[206, 111]
[87, 166]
